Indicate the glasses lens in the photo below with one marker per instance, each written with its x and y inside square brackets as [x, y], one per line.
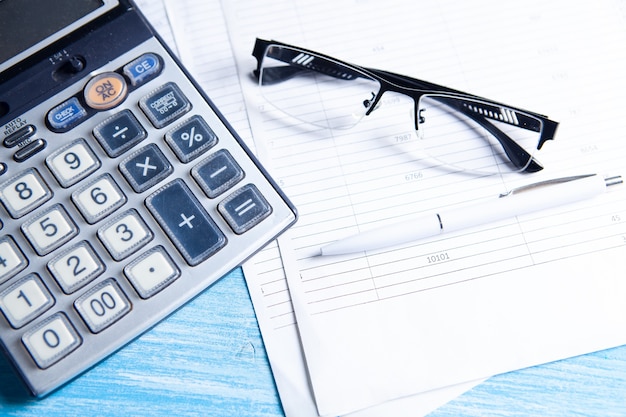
[471, 135]
[315, 89]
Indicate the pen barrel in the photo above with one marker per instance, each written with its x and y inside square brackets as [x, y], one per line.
[382, 237]
[525, 202]
[541, 196]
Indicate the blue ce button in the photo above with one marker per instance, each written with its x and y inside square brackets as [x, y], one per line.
[143, 69]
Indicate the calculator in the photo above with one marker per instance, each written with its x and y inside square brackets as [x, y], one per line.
[124, 192]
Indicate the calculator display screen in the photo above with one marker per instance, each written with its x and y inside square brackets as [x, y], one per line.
[29, 25]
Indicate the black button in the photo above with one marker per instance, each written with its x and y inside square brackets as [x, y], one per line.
[164, 105]
[145, 167]
[186, 222]
[217, 173]
[191, 139]
[119, 133]
[244, 209]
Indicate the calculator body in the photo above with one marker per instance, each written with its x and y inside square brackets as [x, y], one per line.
[124, 193]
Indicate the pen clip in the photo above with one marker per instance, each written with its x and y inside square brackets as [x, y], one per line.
[545, 183]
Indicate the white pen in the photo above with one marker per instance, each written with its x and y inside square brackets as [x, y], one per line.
[522, 200]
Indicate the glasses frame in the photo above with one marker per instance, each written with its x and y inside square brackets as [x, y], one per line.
[415, 89]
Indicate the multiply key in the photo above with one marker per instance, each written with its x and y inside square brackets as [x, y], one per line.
[185, 222]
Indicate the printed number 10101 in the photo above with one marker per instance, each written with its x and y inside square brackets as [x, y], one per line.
[440, 257]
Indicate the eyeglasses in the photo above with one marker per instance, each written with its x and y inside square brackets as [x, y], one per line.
[459, 130]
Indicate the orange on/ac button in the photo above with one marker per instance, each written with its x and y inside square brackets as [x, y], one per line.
[105, 91]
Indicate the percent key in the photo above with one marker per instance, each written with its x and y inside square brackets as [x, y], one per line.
[191, 139]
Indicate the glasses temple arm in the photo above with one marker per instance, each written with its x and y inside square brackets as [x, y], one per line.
[549, 126]
[298, 61]
[260, 45]
[516, 154]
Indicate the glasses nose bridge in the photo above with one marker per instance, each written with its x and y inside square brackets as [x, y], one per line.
[413, 94]
[385, 87]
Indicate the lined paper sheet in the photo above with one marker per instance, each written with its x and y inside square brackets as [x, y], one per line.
[466, 305]
[198, 35]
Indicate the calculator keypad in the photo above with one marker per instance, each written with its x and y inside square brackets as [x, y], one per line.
[140, 202]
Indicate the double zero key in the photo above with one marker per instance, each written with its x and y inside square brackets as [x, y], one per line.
[186, 222]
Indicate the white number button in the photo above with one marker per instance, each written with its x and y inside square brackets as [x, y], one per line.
[24, 193]
[12, 260]
[51, 341]
[151, 272]
[49, 229]
[103, 305]
[76, 267]
[25, 300]
[124, 235]
[99, 198]
[72, 163]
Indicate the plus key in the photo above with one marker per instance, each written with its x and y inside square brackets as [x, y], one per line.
[186, 222]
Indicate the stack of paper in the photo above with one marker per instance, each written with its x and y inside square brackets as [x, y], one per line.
[402, 330]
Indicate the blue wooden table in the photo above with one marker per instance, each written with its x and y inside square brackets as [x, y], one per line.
[208, 359]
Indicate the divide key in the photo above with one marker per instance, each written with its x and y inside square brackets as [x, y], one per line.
[186, 222]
